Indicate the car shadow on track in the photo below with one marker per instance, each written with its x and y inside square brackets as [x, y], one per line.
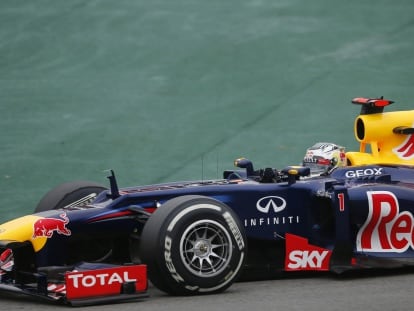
[346, 275]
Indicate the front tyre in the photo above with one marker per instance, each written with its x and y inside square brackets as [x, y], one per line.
[75, 192]
[193, 245]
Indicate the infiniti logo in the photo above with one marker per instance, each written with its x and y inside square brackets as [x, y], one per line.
[278, 204]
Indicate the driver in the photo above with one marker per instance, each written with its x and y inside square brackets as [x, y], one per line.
[321, 158]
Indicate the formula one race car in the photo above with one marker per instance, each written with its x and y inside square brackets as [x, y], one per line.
[88, 244]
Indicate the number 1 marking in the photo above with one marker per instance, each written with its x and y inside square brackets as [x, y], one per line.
[341, 198]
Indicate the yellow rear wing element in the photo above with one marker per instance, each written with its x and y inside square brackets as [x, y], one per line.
[384, 137]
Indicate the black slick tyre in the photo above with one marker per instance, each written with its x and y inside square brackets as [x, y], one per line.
[82, 192]
[193, 245]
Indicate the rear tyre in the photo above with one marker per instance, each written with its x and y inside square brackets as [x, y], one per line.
[193, 245]
[68, 193]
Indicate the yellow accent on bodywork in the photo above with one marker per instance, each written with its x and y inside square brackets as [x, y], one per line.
[293, 172]
[21, 230]
[376, 131]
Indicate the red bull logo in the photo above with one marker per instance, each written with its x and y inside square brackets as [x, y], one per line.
[405, 151]
[45, 227]
[387, 229]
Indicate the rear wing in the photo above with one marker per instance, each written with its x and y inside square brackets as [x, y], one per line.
[372, 105]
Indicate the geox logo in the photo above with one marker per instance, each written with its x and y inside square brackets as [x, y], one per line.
[277, 204]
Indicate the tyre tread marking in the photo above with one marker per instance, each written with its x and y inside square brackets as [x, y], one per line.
[190, 209]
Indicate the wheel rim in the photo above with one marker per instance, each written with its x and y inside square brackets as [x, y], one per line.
[205, 248]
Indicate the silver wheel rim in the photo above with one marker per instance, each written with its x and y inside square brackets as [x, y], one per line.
[206, 248]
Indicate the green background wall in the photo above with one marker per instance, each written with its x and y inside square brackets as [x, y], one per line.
[166, 90]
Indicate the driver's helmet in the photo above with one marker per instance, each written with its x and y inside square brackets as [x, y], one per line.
[323, 157]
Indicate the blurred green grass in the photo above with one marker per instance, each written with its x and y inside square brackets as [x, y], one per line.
[168, 90]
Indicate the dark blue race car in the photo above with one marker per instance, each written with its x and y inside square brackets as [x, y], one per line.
[86, 243]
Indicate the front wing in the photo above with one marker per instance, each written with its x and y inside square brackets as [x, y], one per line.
[84, 284]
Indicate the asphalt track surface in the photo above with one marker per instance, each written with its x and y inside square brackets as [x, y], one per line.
[169, 90]
[373, 291]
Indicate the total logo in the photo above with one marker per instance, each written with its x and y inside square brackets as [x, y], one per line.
[90, 283]
[375, 171]
[100, 279]
[275, 203]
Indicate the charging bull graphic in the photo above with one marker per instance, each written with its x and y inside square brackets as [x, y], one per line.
[406, 149]
[45, 227]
